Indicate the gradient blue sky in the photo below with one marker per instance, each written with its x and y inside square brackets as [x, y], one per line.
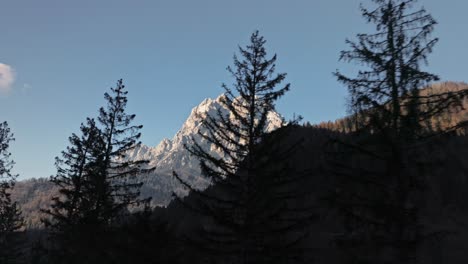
[172, 54]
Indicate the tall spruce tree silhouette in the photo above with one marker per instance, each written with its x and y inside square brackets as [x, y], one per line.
[10, 216]
[72, 218]
[98, 184]
[120, 137]
[383, 168]
[246, 208]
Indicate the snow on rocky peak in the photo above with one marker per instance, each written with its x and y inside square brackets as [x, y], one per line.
[170, 154]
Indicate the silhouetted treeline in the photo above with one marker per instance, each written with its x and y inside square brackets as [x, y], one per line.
[387, 184]
[162, 237]
[10, 216]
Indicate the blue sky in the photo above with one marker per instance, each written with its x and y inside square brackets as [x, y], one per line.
[63, 55]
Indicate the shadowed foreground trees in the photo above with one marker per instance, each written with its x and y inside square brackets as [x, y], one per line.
[249, 213]
[10, 216]
[98, 185]
[73, 222]
[264, 204]
[384, 167]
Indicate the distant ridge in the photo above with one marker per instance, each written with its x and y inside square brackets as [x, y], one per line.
[445, 119]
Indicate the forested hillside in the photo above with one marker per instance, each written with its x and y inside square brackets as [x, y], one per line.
[240, 184]
[34, 194]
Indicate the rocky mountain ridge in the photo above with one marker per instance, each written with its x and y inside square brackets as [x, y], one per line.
[171, 155]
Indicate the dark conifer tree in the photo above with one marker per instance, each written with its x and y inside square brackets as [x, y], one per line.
[383, 178]
[98, 185]
[245, 196]
[72, 220]
[387, 91]
[119, 188]
[10, 216]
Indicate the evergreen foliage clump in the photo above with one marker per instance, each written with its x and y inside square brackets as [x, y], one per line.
[384, 166]
[10, 216]
[249, 214]
[98, 185]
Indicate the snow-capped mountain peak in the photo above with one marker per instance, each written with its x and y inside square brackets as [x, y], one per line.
[170, 154]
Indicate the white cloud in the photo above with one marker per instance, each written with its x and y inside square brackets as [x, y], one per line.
[7, 77]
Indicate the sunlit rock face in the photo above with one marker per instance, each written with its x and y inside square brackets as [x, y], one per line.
[171, 155]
